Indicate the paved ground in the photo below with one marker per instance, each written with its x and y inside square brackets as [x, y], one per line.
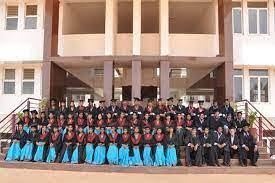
[48, 176]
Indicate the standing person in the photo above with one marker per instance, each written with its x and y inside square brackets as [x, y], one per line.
[208, 148]
[159, 148]
[26, 120]
[201, 108]
[100, 150]
[121, 122]
[191, 109]
[136, 144]
[124, 150]
[171, 142]
[227, 109]
[91, 142]
[180, 133]
[80, 108]
[112, 153]
[43, 120]
[72, 109]
[249, 148]
[213, 108]
[221, 146]
[101, 108]
[234, 145]
[215, 121]
[55, 145]
[62, 108]
[148, 142]
[113, 108]
[18, 142]
[69, 141]
[157, 123]
[193, 149]
[100, 123]
[180, 108]
[27, 153]
[42, 145]
[91, 108]
[78, 153]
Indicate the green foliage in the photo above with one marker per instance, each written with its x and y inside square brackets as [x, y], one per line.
[252, 117]
[43, 104]
[20, 115]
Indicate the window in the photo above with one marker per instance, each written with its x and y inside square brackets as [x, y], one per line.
[258, 85]
[31, 17]
[178, 73]
[99, 72]
[238, 85]
[237, 17]
[12, 18]
[28, 81]
[257, 15]
[9, 81]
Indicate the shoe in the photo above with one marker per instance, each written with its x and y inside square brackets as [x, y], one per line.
[242, 165]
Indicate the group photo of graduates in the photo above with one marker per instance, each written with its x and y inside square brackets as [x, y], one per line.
[125, 133]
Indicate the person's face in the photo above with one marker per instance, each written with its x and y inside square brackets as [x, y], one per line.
[52, 102]
[124, 103]
[220, 129]
[179, 117]
[20, 127]
[206, 131]
[102, 104]
[62, 117]
[72, 104]
[146, 116]
[99, 116]
[51, 115]
[147, 130]
[194, 132]
[246, 128]
[63, 104]
[113, 103]
[159, 131]
[80, 130]
[125, 131]
[70, 116]
[55, 129]
[81, 103]
[26, 114]
[229, 118]
[43, 115]
[215, 103]
[136, 130]
[171, 130]
[226, 102]
[150, 104]
[81, 115]
[200, 105]
[102, 130]
[232, 132]
[90, 116]
[70, 128]
[168, 117]
[33, 115]
[188, 117]
[217, 114]
[158, 117]
[239, 115]
[44, 128]
[109, 116]
[136, 102]
[134, 116]
[201, 116]
[33, 129]
[122, 115]
[91, 130]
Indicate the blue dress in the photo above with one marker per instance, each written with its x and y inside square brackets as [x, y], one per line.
[26, 152]
[99, 155]
[27, 129]
[89, 151]
[14, 152]
[135, 160]
[51, 156]
[124, 156]
[112, 154]
[147, 159]
[74, 159]
[159, 156]
[39, 153]
[171, 156]
[66, 156]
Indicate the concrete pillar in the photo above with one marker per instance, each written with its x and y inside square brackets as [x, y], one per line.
[245, 18]
[136, 27]
[136, 78]
[164, 27]
[108, 80]
[246, 84]
[271, 16]
[40, 14]
[110, 26]
[21, 15]
[2, 15]
[164, 79]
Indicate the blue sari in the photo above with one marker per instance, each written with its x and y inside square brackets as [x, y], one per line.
[51, 156]
[89, 151]
[119, 131]
[112, 154]
[159, 156]
[26, 152]
[27, 129]
[74, 159]
[147, 159]
[99, 155]
[39, 153]
[136, 159]
[171, 156]
[14, 152]
[124, 156]
[66, 156]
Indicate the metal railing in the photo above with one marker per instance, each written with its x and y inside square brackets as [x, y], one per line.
[264, 127]
[8, 123]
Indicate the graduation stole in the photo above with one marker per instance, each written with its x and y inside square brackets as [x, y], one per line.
[90, 122]
[80, 121]
[180, 122]
[157, 123]
[102, 138]
[51, 121]
[91, 137]
[146, 122]
[81, 108]
[80, 137]
[61, 122]
[190, 109]
[70, 121]
[168, 122]
[70, 136]
[136, 140]
[125, 137]
[100, 122]
[134, 122]
[201, 109]
[148, 136]
[55, 136]
[109, 121]
[121, 122]
[159, 138]
[189, 123]
[113, 138]
[43, 136]
[72, 109]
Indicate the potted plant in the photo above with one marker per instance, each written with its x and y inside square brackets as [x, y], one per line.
[43, 104]
[252, 118]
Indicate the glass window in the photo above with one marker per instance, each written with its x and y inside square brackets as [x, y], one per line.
[258, 72]
[263, 21]
[259, 85]
[238, 72]
[258, 20]
[253, 89]
[9, 81]
[31, 17]
[237, 20]
[238, 88]
[12, 18]
[264, 89]
[252, 14]
[28, 81]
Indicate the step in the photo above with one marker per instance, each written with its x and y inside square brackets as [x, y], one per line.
[264, 155]
[262, 149]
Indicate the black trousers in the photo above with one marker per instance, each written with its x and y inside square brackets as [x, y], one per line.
[208, 156]
[69, 148]
[193, 157]
[253, 156]
[233, 152]
[219, 152]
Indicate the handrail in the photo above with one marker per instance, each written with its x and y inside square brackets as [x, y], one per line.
[245, 100]
[18, 108]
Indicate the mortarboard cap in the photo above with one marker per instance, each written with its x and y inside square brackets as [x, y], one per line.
[91, 100]
[170, 98]
[34, 125]
[20, 123]
[34, 112]
[201, 101]
[137, 99]
[26, 110]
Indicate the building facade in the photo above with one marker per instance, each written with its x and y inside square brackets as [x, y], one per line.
[72, 49]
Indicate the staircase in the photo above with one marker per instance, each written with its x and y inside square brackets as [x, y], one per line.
[8, 123]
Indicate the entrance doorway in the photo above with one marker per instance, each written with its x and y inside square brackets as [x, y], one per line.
[147, 92]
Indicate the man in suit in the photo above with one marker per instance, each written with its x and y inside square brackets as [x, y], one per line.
[249, 148]
[220, 143]
[239, 122]
[208, 151]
